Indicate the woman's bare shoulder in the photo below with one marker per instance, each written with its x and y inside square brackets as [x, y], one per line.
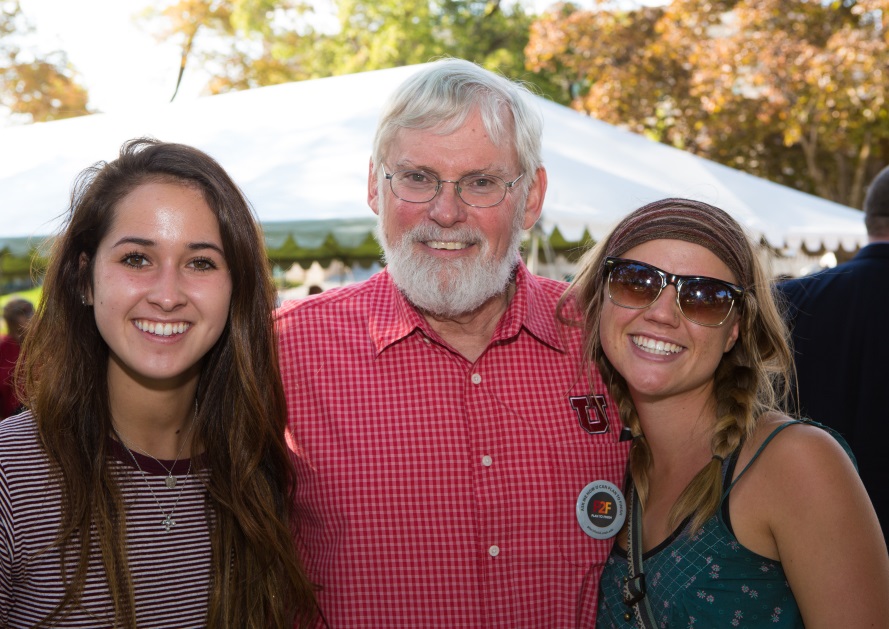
[795, 443]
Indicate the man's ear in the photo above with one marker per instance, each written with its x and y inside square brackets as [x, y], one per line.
[534, 202]
[373, 189]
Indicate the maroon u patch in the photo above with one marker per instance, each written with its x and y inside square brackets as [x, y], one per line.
[590, 411]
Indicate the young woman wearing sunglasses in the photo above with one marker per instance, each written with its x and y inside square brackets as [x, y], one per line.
[150, 484]
[740, 515]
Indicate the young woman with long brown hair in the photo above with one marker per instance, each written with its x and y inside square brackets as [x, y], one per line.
[149, 484]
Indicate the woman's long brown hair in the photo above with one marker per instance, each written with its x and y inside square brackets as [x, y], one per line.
[257, 579]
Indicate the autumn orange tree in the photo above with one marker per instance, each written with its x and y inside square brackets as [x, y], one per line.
[791, 90]
[32, 86]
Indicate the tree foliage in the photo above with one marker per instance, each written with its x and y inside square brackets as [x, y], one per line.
[791, 90]
[35, 87]
[249, 43]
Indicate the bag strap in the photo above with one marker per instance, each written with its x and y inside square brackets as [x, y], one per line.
[634, 584]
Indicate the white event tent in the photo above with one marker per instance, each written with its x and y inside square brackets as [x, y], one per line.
[300, 152]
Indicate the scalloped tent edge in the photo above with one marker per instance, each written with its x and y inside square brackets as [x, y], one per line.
[300, 152]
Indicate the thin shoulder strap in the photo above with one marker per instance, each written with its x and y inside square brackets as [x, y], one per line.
[761, 448]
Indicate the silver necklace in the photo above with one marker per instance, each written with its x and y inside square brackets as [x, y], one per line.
[170, 481]
[168, 522]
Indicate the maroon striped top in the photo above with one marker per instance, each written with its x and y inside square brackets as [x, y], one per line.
[170, 570]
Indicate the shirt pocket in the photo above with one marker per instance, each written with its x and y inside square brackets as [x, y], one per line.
[575, 463]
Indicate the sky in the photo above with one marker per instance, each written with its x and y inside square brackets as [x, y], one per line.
[123, 66]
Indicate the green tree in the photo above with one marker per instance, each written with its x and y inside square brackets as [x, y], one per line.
[35, 87]
[376, 35]
[250, 43]
[791, 90]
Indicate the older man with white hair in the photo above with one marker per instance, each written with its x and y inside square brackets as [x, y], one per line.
[451, 442]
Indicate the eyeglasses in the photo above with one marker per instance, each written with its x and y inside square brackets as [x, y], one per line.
[419, 186]
[702, 300]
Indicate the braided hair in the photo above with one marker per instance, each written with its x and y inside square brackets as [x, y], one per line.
[753, 376]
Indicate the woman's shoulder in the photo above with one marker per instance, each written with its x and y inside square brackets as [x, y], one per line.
[19, 441]
[802, 499]
[18, 427]
[789, 442]
[796, 464]
[787, 470]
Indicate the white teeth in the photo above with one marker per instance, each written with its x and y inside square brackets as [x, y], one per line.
[451, 246]
[656, 347]
[162, 329]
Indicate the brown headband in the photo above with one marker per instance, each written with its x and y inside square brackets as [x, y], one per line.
[683, 219]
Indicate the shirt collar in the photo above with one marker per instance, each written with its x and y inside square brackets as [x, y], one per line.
[392, 317]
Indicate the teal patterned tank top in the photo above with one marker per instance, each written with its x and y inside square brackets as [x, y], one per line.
[707, 580]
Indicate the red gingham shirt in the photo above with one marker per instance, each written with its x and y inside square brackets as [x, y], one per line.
[435, 492]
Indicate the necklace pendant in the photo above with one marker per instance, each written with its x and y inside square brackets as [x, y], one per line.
[168, 523]
[170, 481]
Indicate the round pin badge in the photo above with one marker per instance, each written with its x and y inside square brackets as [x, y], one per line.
[601, 509]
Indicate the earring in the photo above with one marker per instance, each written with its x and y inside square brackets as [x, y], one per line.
[83, 299]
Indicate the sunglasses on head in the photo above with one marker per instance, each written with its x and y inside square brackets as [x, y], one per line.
[702, 300]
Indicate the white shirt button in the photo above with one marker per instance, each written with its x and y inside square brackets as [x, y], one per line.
[476, 378]
[487, 461]
[426, 340]
[494, 550]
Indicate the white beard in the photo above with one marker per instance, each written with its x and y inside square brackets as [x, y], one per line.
[449, 288]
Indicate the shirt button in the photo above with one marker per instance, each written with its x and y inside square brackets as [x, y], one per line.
[494, 550]
[476, 378]
[487, 461]
[426, 340]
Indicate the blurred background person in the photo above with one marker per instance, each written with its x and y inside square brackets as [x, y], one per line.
[840, 347]
[17, 313]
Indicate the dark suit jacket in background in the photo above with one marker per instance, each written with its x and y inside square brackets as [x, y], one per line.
[840, 326]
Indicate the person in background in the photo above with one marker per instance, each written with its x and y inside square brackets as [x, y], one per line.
[840, 347]
[443, 426]
[738, 514]
[17, 312]
[149, 484]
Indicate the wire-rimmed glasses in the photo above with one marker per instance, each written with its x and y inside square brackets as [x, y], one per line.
[476, 190]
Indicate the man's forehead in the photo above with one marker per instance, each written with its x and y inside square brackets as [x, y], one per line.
[432, 167]
[418, 149]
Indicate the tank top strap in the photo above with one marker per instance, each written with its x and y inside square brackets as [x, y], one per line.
[775, 432]
[762, 447]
